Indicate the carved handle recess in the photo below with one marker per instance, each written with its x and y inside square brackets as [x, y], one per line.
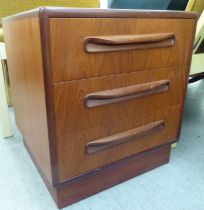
[96, 44]
[123, 137]
[125, 93]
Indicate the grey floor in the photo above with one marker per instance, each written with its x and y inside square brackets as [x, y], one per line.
[178, 185]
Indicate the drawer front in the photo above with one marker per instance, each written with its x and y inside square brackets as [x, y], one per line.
[90, 149]
[87, 103]
[90, 47]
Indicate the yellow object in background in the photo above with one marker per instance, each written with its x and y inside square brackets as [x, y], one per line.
[4, 117]
[197, 64]
[195, 6]
[10, 7]
[6, 81]
[1, 35]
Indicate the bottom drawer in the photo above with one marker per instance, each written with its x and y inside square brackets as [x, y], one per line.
[90, 149]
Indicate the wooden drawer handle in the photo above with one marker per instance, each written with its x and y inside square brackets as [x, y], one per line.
[125, 93]
[123, 137]
[98, 44]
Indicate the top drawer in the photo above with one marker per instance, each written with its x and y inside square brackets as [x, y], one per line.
[117, 45]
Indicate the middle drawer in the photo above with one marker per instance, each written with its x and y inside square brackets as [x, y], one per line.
[87, 103]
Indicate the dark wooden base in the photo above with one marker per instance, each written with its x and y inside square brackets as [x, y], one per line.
[91, 183]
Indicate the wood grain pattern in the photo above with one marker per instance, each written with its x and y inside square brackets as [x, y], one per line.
[126, 93]
[123, 137]
[72, 115]
[128, 42]
[67, 44]
[73, 159]
[187, 79]
[23, 47]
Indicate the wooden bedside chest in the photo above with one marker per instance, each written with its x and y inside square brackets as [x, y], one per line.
[98, 94]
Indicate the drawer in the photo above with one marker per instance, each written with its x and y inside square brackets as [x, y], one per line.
[91, 47]
[84, 150]
[87, 103]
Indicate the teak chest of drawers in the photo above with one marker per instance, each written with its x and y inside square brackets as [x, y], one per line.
[98, 94]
